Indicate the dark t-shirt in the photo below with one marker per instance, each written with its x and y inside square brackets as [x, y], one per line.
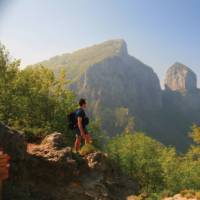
[81, 113]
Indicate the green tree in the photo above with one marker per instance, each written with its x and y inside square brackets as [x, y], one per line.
[194, 150]
[98, 136]
[33, 100]
[139, 156]
[8, 73]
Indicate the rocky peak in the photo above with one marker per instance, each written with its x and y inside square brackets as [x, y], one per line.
[180, 78]
[119, 46]
[79, 61]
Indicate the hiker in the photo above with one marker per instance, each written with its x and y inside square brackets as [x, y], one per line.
[81, 122]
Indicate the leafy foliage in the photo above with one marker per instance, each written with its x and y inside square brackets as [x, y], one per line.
[32, 100]
[139, 156]
[86, 149]
[194, 150]
[155, 167]
[99, 138]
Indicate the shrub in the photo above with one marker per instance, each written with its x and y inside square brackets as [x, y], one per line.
[86, 149]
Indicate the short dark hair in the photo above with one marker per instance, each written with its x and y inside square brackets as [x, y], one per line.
[82, 102]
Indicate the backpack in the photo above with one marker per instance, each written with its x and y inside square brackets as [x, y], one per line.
[71, 119]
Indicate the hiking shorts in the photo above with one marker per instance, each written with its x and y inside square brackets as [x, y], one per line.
[78, 133]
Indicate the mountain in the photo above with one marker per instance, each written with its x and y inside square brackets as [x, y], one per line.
[123, 92]
[112, 81]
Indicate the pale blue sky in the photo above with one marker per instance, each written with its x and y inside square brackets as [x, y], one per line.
[158, 32]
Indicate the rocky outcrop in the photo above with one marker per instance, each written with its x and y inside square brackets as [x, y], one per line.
[12, 142]
[180, 78]
[181, 105]
[50, 171]
[181, 89]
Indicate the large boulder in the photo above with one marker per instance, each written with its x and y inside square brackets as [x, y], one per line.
[52, 148]
[12, 142]
[55, 140]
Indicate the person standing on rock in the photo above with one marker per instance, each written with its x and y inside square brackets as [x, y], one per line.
[81, 125]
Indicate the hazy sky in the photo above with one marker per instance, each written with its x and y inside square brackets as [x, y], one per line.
[158, 32]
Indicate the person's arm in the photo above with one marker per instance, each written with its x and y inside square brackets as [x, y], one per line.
[80, 126]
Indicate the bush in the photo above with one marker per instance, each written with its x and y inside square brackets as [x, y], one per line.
[86, 149]
[153, 166]
[139, 156]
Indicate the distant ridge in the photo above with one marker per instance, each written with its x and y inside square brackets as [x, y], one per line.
[77, 62]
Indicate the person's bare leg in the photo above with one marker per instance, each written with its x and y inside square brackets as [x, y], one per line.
[88, 139]
[77, 143]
